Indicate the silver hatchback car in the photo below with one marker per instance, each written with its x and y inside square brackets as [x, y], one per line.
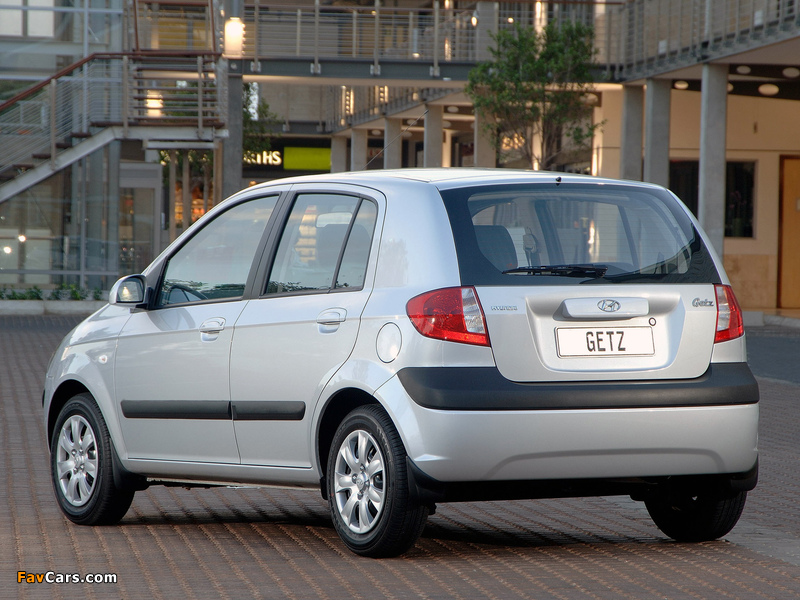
[403, 338]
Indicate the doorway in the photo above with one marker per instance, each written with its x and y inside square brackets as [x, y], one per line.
[789, 227]
[139, 216]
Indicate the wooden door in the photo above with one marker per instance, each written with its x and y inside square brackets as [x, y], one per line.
[789, 251]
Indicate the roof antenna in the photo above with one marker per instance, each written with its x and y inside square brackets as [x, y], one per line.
[410, 125]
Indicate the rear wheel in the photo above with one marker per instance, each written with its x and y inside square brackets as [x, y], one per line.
[81, 464]
[368, 486]
[696, 518]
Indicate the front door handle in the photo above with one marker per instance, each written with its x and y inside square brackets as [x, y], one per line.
[213, 326]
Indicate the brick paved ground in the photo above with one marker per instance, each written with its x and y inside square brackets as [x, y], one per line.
[255, 543]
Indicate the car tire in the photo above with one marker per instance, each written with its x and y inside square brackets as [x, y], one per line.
[688, 518]
[81, 466]
[368, 490]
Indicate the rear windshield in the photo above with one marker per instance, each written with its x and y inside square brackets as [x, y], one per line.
[542, 234]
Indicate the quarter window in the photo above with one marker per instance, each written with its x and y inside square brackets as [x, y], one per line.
[215, 263]
[325, 244]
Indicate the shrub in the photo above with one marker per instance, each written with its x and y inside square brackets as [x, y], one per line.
[34, 293]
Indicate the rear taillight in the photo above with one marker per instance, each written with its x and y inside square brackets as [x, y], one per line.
[729, 316]
[452, 314]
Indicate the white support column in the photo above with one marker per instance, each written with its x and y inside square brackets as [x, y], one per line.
[656, 131]
[173, 199]
[487, 15]
[630, 166]
[447, 149]
[713, 124]
[358, 149]
[186, 192]
[433, 135]
[392, 143]
[338, 154]
[485, 155]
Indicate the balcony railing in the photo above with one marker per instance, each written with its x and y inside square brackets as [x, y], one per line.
[651, 36]
[372, 32]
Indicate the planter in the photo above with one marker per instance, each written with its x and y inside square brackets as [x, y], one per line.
[49, 307]
[72, 307]
[21, 307]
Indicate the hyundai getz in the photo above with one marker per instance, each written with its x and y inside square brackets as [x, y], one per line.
[399, 339]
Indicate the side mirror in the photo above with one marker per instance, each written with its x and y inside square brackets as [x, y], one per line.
[129, 290]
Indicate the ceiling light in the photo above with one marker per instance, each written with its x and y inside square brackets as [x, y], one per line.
[768, 89]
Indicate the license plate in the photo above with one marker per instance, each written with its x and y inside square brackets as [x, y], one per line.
[607, 341]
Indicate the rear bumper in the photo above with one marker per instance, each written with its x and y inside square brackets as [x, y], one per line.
[484, 388]
[427, 490]
[455, 437]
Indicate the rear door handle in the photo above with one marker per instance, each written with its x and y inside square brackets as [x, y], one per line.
[332, 316]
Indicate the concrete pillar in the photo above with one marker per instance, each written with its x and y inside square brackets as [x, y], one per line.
[713, 123]
[486, 28]
[338, 154]
[172, 201]
[447, 149]
[358, 149]
[433, 135]
[392, 143]
[232, 146]
[186, 191]
[631, 135]
[411, 153]
[485, 155]
[656, 131]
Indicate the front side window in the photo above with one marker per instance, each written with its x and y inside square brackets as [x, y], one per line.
[215, 263]
[325, 245]
[574, 233]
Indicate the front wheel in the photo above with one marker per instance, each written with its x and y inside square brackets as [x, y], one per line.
[368, 486]
[696, 518]
[81, 464]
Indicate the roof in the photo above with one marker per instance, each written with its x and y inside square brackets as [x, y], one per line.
[451, 177]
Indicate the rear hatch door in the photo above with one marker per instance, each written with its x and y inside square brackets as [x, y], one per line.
[583, 280]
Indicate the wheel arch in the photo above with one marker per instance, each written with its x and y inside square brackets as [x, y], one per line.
[66, 390]
[338, 406]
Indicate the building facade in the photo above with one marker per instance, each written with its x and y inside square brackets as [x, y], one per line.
[135, 128]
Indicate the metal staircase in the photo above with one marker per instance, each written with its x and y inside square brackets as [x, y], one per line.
[174, 99]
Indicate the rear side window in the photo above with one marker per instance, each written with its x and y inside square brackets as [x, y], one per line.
[574, 233]
[324, 245]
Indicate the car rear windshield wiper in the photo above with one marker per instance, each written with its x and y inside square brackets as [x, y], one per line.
[562, 270]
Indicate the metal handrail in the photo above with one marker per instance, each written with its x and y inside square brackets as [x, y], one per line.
[108, 89]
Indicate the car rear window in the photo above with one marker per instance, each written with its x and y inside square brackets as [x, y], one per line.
[543, 234]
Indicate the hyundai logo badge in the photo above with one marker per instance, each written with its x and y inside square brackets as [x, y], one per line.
[608, 305]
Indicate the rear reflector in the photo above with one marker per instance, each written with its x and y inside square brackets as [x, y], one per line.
[729, 316]
[451, 314]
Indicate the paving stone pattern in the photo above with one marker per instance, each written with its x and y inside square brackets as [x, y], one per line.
[274, 543]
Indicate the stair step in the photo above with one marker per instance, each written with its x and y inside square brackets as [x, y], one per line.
[80, 134]
[63, 145]
[41, 155]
